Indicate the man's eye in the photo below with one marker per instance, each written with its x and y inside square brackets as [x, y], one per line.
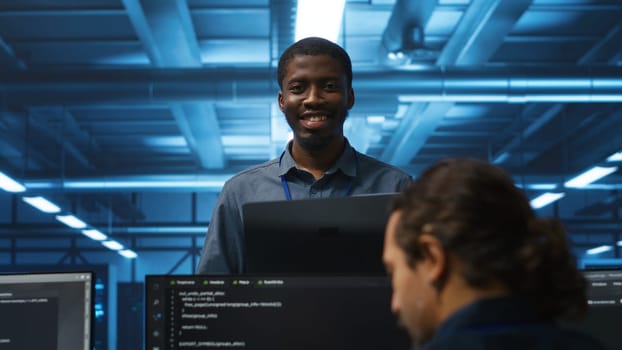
[296, 88]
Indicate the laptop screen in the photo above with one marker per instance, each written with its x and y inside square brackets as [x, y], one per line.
[46, 311]
[271, 312]
[329, 235]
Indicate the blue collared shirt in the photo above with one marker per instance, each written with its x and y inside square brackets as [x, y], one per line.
[224, 243]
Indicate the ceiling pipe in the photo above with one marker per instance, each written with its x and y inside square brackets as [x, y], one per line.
[27, 231]
[214, 182]
[163, 229]
[572, 84]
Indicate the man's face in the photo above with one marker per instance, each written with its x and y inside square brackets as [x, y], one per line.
[315, 98]
[413, 298]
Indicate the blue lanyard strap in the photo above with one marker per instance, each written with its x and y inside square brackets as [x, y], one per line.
[288, 194]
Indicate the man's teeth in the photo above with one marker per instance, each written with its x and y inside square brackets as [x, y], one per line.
[316, 118]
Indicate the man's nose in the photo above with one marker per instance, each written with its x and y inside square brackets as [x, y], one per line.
[314, 96]
[395, 307]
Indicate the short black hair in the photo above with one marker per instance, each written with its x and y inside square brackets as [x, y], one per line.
[314, 46]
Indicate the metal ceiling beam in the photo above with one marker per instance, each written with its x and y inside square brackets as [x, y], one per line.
[419, 122]
[483, 28]
[601, 52]
[542, 118]
[459, 84]
[8, 60]
[282, 27]
[166, 31]
[403, 36]
[14, 136]
[480, 32]
[39, 119]
[547, 145]
[601, 139]
[608, 49]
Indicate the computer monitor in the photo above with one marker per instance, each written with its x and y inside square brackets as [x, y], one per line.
[329, 235]
[46, 311]
[604, 317]
[256, 312]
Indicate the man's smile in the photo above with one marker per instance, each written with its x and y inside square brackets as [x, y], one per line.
[314, 121]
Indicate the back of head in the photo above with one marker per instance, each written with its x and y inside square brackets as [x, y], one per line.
[314, 46]
[484, 220]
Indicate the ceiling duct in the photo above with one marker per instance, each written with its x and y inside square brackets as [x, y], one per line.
[570, 84]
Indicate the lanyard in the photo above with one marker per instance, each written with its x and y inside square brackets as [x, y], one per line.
[288, 194]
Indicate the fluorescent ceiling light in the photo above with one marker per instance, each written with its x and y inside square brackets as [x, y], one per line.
[375, 119]
[42, 204]
[545, 199]
[165, 141]
[128, 253]
[590, 176]
[113, 245]
[71, 221]
[245, 140]
[319, 18]
[412, 67]
[170, 229]
[598, 250]
[616, 157]
[10, 185]
[141, 184]
[395, 55]
[94, 235]
[541, 187]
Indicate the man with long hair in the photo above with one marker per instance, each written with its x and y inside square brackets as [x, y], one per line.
[472, 267]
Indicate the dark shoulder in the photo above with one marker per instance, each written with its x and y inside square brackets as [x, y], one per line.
[571, 339]
[516, 338]
[374, 163]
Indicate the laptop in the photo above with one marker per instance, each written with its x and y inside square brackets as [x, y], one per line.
[329, 235]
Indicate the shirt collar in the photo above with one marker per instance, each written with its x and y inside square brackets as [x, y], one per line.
[347, 162]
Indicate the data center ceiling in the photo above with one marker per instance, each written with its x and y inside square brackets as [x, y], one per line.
[124, 96]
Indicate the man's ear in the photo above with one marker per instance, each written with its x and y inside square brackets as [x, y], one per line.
[350, 98]
[435, 258]
[281, 102]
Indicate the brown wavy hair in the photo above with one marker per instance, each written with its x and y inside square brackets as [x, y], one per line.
[483, 219]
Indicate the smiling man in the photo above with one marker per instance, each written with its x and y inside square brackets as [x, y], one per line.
[315, 80]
